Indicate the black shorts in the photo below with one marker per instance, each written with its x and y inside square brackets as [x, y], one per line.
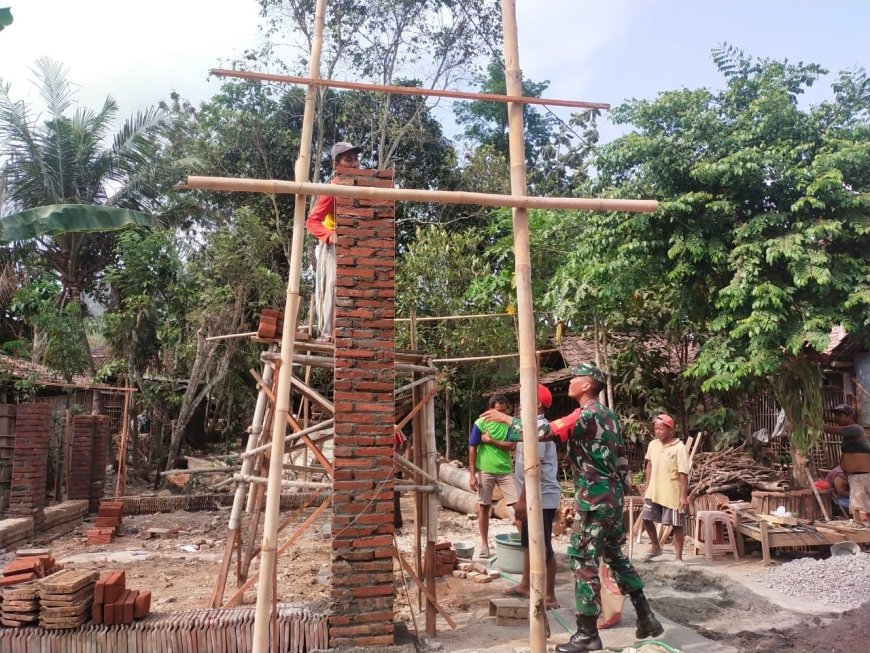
[549, 516]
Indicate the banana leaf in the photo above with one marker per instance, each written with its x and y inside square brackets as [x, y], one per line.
[64, 218]
[5, 17]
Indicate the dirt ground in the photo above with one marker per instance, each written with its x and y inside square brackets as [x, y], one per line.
[719, 602]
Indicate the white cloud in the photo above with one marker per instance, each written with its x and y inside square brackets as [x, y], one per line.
[135, 51]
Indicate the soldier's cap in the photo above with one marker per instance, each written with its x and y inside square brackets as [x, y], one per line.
[343, 148]
[665, 419]
[587, 369]
[846, 409]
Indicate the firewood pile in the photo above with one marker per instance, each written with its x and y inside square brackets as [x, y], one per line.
[731, 470]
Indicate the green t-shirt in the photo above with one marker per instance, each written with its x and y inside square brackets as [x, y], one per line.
[490, 459]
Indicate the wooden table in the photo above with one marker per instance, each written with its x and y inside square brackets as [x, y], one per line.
[773, 536]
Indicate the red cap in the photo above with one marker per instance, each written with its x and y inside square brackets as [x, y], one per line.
[665, 419]
[545, 397]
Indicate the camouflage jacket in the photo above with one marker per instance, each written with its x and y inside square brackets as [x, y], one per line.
[597, 453]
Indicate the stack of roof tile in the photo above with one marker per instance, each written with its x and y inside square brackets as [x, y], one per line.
[65, 598]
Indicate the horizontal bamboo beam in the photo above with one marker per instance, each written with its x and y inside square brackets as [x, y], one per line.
[407, 90]
[486, 358]
[247, 478]
[281, 187]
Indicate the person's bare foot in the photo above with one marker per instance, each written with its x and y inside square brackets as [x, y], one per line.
[551, 602]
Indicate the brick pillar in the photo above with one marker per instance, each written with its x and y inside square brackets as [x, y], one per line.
[90, 450]
[82, 457]
[362, 501]
[30, 462]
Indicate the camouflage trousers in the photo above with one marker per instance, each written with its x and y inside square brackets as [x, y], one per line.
[596, 535]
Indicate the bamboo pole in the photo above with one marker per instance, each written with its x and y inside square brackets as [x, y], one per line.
[407, 90]
[526, 324]
[520, 200]
[431, 466]
[268, 557]
[320, 426]
[121, 480]
[486, 358]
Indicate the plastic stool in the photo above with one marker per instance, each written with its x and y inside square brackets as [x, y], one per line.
[705, 526]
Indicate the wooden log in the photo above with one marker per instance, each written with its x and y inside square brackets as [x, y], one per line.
[466, 502]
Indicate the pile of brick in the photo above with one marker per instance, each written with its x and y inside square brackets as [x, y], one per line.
[114, 604]
[445, 559]
[475, 571]
[108, 522]
[65, 598]
[28, 566]
[271, 326]
[20, 605]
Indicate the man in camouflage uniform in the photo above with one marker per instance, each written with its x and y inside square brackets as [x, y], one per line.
[597, 454]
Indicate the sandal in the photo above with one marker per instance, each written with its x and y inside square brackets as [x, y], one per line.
[512, 591]
[484, 552]
[651, 555]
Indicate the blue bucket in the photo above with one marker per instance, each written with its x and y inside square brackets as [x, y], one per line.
[509, 553]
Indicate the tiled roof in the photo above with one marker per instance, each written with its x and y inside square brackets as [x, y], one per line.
[18, 368]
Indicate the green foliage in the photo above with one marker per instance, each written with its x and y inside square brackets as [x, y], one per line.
[760, 244]
[62, 328]
[555, 164]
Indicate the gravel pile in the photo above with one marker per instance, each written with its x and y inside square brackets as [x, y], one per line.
[839, 581]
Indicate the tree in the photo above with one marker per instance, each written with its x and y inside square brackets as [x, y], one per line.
[62, 160]
[555, 164]
[231, 279]
[761, 240]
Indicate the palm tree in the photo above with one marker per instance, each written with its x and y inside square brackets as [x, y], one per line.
[66, 185]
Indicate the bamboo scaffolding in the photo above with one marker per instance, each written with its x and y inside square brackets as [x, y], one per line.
[406, 90]
[486, 358]
[294, 436]
[301, 189]
[526, 327]
[269, 553]
[236, 598]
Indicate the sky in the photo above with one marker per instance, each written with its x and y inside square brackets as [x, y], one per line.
[595, 50]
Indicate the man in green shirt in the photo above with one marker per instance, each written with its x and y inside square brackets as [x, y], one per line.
[490, 465]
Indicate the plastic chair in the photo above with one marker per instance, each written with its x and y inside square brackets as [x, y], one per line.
[705, 529]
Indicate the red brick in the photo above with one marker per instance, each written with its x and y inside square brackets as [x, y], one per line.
[114, 587]
[6, 581]
[129, 605]
[143, 604]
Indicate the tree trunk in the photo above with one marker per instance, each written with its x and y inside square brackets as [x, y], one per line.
[194, 395]
[800, 463]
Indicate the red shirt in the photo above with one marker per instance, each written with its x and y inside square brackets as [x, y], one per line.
[321, 220]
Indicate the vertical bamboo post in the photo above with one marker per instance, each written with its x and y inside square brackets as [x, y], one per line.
[417, 451]
[447, 422]
[526, 325]
[268, 555]
[431, 462]
[241, 489]
[121, 480]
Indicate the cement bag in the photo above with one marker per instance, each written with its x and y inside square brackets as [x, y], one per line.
[612, 599]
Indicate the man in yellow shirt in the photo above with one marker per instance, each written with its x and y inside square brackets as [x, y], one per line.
[666, 497]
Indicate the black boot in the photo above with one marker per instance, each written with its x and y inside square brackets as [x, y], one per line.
[585, 639]
[647, 624]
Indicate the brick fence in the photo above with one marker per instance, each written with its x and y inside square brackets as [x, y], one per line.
[30, 462]
[362, 503]
[90, 447]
